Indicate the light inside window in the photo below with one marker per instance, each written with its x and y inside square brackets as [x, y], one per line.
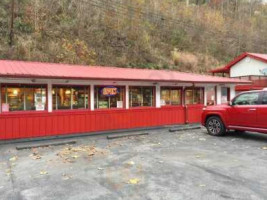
[106, 97]
[141, 96]
[70, 97]
[23, 97]
[170, 96]
[194, 96]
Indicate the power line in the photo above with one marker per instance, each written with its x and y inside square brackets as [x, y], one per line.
[120, 9]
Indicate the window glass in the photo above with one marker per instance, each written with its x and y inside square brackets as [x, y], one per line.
[141, 96]
[194, 96]
[23, 97]
[264, 98]
[189, 96]
[170, 96]
[225, 95]
[68, 97]
[247, 99]
[211, 96]
[80, 97]
[109, 97]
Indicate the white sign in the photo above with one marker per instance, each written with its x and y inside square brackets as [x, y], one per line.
[162, 102]
[119, 104]
[5, 107]
[40, 102]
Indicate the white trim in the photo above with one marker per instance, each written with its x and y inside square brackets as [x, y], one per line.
[127, 96]
[92, 93]
[49, 97]
[158, 96]
[219, 95]
[99, 82]
[232, 92]
[71, 98]
[205, 96]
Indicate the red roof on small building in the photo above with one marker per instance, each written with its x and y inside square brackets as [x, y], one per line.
[226, 69]
[23, 69]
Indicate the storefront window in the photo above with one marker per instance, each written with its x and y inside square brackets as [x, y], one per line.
[109, 97]
[170, 96]
[194, 96]
[23, 97]
[68, 97]
[141, 96]
[225, 95]
[211, 95]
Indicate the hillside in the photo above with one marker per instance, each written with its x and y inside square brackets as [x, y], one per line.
[156, 34]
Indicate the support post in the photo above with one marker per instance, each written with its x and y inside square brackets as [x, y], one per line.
[219, 95]
[50, 96]
[158, 96]
[127, 96]
[205, 95]
[92, 97]
[232, 92]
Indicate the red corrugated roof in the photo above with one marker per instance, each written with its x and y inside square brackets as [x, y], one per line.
[226, 69]
[25, 69]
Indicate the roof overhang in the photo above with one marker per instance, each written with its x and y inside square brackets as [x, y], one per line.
[37, 70]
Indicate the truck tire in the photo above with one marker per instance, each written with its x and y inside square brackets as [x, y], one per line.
[215, 126]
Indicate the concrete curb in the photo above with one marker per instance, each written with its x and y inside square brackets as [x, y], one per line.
[30, 146]
[184, 128]
[115, 136]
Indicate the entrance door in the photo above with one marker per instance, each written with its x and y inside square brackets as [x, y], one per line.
[225, 97]
[194, 102]
[243, 111]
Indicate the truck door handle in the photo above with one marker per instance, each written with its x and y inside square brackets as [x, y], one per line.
[252, 109]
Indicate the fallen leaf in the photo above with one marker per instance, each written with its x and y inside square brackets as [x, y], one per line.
[264, 148]
[199, 156]
[202, 185]
[66, 177]
[8, 172]
[14, 158]
[131, 163]
[202, 139]
[134, 181]
[43, 172]
[35, 156]
[75, 156]
[99, 168]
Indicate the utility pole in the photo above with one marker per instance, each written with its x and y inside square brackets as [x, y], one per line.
[11, 34]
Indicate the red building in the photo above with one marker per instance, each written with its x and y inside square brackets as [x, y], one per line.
[45, 99]
[247, 66]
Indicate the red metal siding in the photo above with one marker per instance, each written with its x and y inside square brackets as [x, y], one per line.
[39, 124]
[194, 113]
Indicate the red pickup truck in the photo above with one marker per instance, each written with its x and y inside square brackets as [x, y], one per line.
[246, 112]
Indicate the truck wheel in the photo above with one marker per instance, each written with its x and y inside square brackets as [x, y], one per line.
[215, 126]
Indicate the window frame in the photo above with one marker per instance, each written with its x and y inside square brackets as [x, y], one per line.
[71, 86]
[193, 88]
[4, 85]
[124, 98]
[174, 88]
[153, 93]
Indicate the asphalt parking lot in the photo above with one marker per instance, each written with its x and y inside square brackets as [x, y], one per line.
[160, 166]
